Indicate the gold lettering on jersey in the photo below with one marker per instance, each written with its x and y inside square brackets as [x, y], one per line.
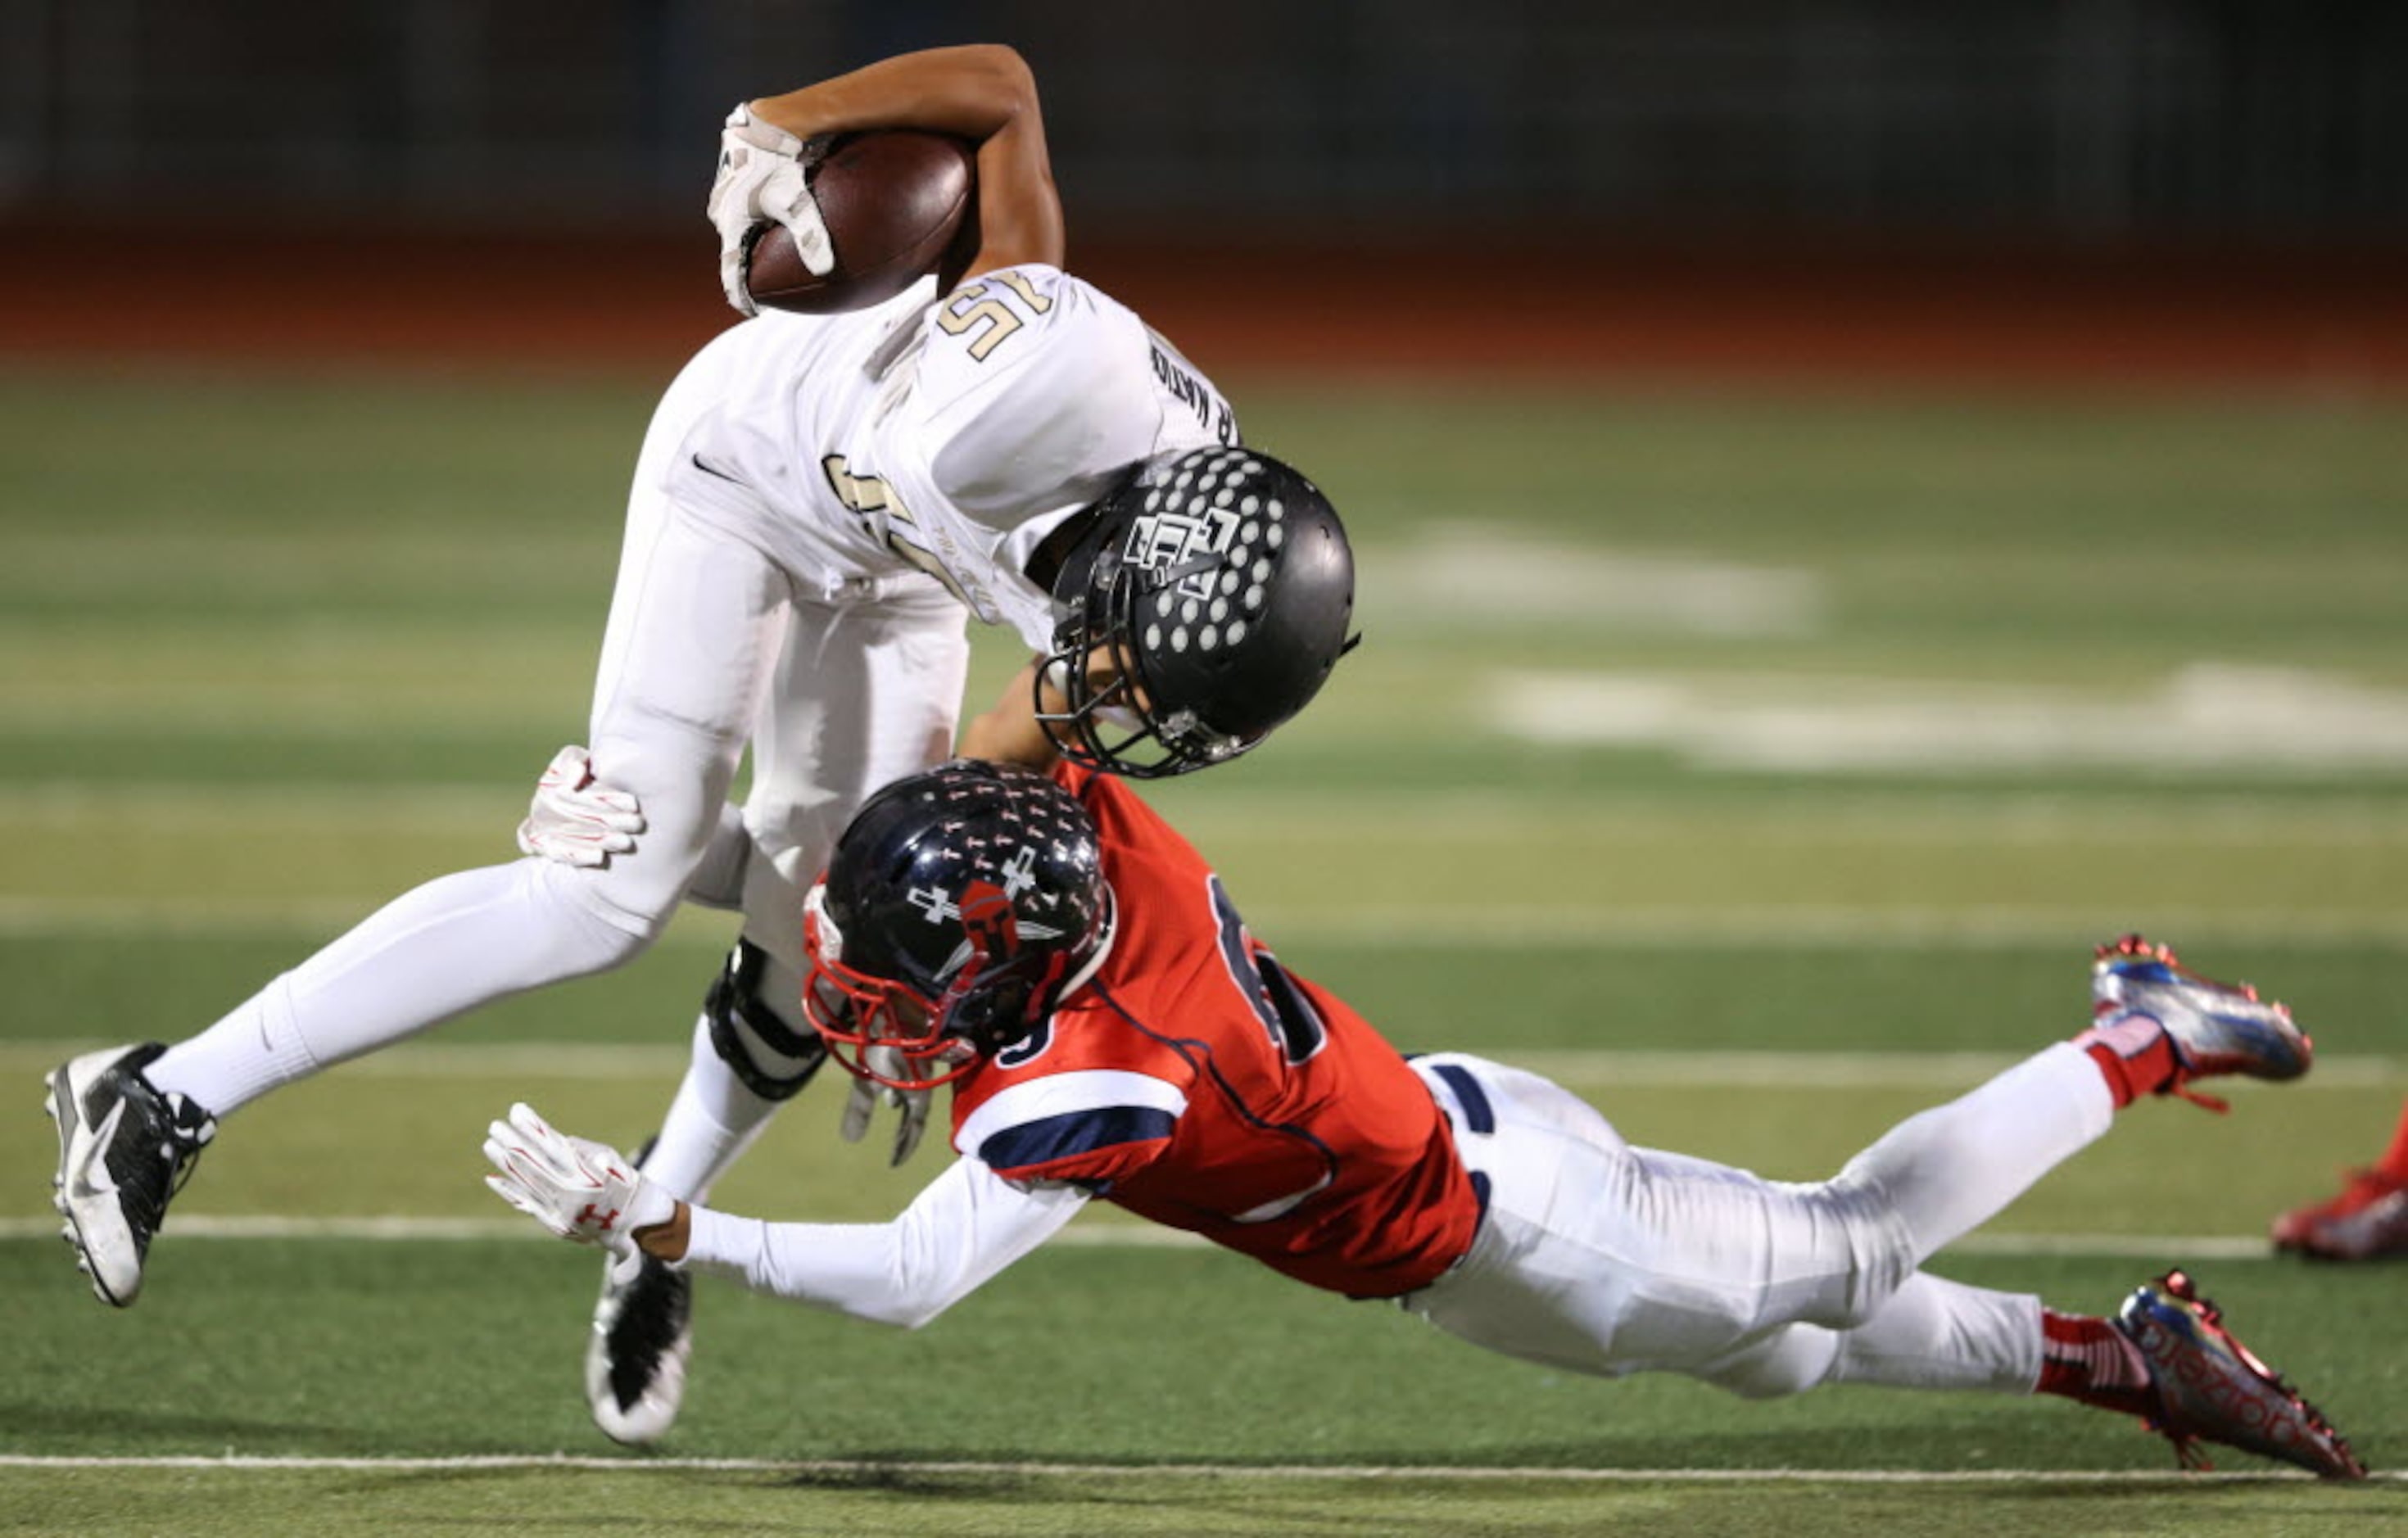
[867, 494]
[987, 310]
[1018, 282]
[861, 493]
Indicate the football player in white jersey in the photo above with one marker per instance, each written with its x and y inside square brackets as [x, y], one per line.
[818, 505]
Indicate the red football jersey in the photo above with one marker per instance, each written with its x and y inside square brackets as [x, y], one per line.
[1197, 1083]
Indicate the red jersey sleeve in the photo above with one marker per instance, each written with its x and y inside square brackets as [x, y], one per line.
[1077, 1103]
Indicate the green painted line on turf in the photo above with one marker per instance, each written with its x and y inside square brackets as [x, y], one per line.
[24, 917]
[1109, 1235]
[1437, 817]
[255, 1227]
[1817, 928]
[505, 1061]
[239, 1463]
[1555, 926]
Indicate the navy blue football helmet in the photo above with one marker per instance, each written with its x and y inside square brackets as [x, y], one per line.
[960, 906]
[1205, 604]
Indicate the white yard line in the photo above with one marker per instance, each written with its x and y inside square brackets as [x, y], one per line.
[637, 1464]
[1935, 812]
[2204, 716]
[1819, 928]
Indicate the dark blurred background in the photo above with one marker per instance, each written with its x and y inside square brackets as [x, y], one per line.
[2079, 122]
[2108, 157]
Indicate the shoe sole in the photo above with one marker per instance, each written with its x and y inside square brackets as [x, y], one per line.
[2261, 1048]
[2276, 1049]
[94, 1226]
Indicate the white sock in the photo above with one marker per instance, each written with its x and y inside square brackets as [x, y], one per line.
[709, 1125]
[252, 1051]
[444, 948]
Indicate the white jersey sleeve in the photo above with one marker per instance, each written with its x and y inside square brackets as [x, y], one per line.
[963, 1228]
[1028, 395]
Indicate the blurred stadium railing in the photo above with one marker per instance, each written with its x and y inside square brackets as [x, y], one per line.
[1249, 120]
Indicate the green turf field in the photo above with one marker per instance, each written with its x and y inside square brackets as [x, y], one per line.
[1762, 767]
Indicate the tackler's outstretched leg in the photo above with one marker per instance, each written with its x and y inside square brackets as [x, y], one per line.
[1608, 1258]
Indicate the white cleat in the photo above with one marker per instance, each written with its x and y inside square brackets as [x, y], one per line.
[636, 1360]
[124, 1151]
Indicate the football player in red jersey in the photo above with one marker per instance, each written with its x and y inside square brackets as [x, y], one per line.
[1050, 948]
[2367, 1221]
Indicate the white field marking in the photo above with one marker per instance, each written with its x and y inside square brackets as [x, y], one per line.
[870, 1468]
[1128, 1235]
[1826, 928]
[2207, 716]
[28, 917]
[1820, 814]
[1717, 926]
[1746, 1069]
[1464, 816]
[1455, 576]
[1736, 1068]
[2159, 1249]
[181, 801]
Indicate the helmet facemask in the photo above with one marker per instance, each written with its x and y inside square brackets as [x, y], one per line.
[1203, 605]
[877, 1029]
[976, 916]
[1107, 721]
[886, 1031]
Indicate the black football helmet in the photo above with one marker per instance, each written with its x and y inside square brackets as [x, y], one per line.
[1205, 604]
[959, 908]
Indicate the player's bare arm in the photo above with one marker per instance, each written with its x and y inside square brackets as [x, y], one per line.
[983, 92]
[1021, 727]
[1009, 731]
[667, 1241]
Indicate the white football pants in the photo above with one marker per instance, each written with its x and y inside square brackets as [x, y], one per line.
[1600, 1258]
[711, 644]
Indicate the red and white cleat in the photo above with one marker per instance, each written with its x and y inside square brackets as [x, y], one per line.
[2209, 1387]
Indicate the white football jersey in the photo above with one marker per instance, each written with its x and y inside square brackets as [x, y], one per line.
[948, 435]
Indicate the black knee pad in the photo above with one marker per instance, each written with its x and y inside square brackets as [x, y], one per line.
[742, 1026]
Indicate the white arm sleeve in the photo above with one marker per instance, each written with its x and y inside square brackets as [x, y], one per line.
[962, 1228]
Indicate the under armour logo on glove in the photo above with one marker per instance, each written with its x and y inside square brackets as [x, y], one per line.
[576, 1189]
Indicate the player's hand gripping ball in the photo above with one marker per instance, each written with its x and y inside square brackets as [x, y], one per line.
[894, 202]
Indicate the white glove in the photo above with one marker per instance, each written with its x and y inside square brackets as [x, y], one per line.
[576, 1189]
[763, 178]
[864, 1101]
[575, 819]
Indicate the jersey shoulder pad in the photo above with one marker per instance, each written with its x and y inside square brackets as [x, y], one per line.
[1034, 393]
[1087, 1123]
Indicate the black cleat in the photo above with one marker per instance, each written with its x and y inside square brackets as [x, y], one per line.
[643, 1335]
[124, 1151]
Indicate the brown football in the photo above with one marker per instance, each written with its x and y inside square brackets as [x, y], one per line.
[894, 200]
